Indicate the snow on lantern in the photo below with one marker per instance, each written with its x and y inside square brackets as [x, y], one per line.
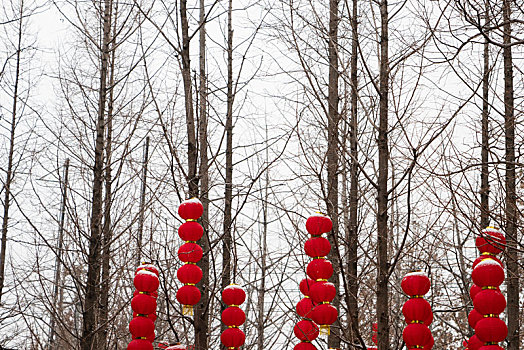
[417, 311]
[233, 317]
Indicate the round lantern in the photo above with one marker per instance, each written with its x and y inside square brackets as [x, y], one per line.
[415, 283]
[473, 291]
[416, 335]
[304, 307]
[488, 273]
[317, 247]
[190, 209]
[491, 241]
[233, 295]
[473, 317]
[190, 231]
[146, 281]
[306, 330]
[141, 327]
[147, 267]
[305, 346]
[322, 292]
[484, 257]
[233, 338]
[188, 296]
[319, 269]
[489, 302]
[233, 316]
[189, 274]
[317, 224]
[140, 344]
[143, 304]
[474, 343]
[324, 315]
[417, 310]
[151, 316]
[305, 286]
[190, 252]
[491, 330]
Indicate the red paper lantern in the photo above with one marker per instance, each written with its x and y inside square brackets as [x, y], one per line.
[415, 283]
[473, 317]
[233, 316]
[489, 302]
[189, 274]
[417, 309]
[322, 292]
[473, 291]
[484, 257]
[143, 304]
[305, 286]
[305, 346]
[317, 247]
[488, 273]
[140, 344]
[147, 267]
[191, 209]
[188, 295]
[374, 338]
[491, 241]
[190, 231]
[233, 295]
[146, 281]
[491, 330]
[324, 315]
[233, 338]
[306, 330]
[474, 343]
[141, 327]
[190, 252]
[319, 269]
[416, 334]
[304, 307]
[317, 224]
[151, 316]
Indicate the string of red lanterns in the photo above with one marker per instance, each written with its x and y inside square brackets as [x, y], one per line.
[233, 317]
[417, 312]
[190, 253]
[305, 330]
[142, 326]
[374, 336]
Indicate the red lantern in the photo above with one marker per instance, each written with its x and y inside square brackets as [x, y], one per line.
[141, 327]
[473, 317]
[474, 343]
[233, 316]
[147, 267]
[484, 257]
[415, 283]
[140, 344]
[146, 281]
[151, 316]
[491, 347]
[233, 338]
[190, 231]
[429, 345]
[233, 295]
[188, 296]
[305, 346]
[190, 252]
[324, 315]
[143, 304]
[416, 335]
[488, 273]
[304, 307]
[319, 269]
[322, 292]
[317, 247]
[189, 274]
[317, 224]
[305, 286]
[489, 302]
[491, 330]
[473, 291]
[417, 309]
[191, 209]
[491, 241]
[306, 330]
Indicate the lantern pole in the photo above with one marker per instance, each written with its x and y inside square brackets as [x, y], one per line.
[57, 301]
[142, 199]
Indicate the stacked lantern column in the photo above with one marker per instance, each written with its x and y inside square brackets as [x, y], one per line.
[233, 317]
[320, 270]
[374, 336]
[305, 330]
[491, 302]
[417, 312]
[142, 326]
[190, 253]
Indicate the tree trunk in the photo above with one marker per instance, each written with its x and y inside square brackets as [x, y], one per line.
[90, 322]
[511, 196]
[484, 176]
[332, 159]
[382, 196]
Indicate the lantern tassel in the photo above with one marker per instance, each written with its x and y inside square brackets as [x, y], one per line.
[187, 310]
[324, 329]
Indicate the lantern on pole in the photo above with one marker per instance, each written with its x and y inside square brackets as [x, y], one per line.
[190, 253]
[417, 311]
[233, 317]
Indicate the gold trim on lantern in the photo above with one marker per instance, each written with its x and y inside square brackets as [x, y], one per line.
[491, 315]
[189, 284]
[232, 326]
[321, 280]
[488, 254]
[417, 296]
[489, 287]
[187, 310]
[417, 322]
[324, 329]
[191, 220]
